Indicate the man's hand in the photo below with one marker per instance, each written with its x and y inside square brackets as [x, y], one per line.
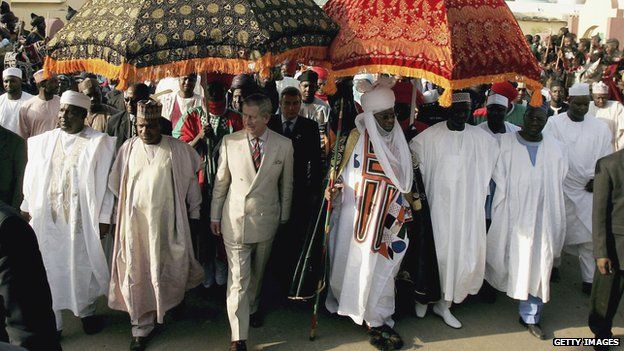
[604, 266]
[215, 227]
[104, 228]
[331, 193]
[590, 186]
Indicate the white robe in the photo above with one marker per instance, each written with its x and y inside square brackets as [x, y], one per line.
[613, 115]
[72, 253]
[586, 142]
[361, 282]
[9, 111]
[528, 217]
[457, 168]
[509, 128]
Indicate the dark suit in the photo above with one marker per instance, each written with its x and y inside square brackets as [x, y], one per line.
[26, 302]
[119, 126]
[12, 165]
[306, 191]
[608, 240]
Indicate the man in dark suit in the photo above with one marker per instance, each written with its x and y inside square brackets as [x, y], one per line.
[26, 302]
[608, 239]
[122, 126]
[305, 136]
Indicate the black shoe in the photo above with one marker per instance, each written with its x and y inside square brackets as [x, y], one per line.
[534, 329]
[385, 338]
[238, 346]
[138, 343]
[92, 324]
[554, 275]
[586, 288]
[256, 320]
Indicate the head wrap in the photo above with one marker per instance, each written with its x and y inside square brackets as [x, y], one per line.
[285, 83]
[391, 147]
[149, 109]
[600, 88]
[309, 76]
[38, 76]
[87, 84]
[12, 72]
[461, 97]
[497, 99]
[242, 81]
[377, 100]
[73, 98]
[5, 7]
[505, 89]
[361, 83]
[70, 13]
[613, 41]
[579, 89]
[403, 92]
[36, 20]
[431, 96]
[321, 72]
[8, 17]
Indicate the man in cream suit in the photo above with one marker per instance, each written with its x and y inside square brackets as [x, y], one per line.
[251, 197]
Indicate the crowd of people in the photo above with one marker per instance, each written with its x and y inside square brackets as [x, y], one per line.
[206, 182]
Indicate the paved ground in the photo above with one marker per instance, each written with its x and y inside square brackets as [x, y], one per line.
[486, 327]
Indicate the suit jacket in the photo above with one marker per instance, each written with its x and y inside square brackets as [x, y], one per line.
[12, 165]
[608, 210]
[119, 126]
[307, 154]
[251, 205]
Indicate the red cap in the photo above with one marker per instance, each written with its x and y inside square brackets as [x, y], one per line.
[505, 89]
[322, 72]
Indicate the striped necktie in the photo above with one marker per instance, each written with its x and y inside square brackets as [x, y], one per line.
[256, 155]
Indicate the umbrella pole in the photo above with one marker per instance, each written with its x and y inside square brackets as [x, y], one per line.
[332, 178]
[416, 86]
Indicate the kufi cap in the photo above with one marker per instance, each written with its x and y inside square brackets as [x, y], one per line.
[87, 84]
[149, 109]
[497, 99]
[73, 98]
[322, 73]
[38, 76]
[12, 72]
[505, 89]
[379, 99]
[431, 96]
[579, 89]
[308, 76]
[600, 88]
[461, 97]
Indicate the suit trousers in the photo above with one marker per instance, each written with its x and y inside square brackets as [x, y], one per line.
[246, 263]
[605, 297]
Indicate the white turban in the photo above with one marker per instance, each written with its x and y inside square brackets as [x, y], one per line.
[600, 88]
[579, 89]
[361, 83]
[497, 99]
[377, 100]
[73, 98]
[12, 72]
[430, 96]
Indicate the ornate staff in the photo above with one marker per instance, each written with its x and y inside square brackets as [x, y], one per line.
[325, 258]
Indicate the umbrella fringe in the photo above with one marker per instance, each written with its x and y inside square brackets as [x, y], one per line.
[448, 85]
[128, 73]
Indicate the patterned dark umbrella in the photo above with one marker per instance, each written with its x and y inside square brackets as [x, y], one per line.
[134, 40]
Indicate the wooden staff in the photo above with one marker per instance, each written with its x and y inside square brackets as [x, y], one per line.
[545, 59]
[332, 178]
[559, 58]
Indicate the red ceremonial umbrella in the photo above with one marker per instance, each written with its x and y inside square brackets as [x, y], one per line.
[452, 43]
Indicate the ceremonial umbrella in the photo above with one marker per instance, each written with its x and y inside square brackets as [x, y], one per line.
[452, 43]
[136, 40]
